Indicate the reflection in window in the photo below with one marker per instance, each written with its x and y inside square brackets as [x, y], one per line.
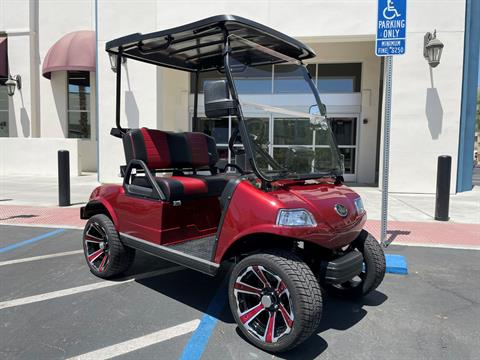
[78, 110]
[344, 130]
[214, 127]
[349, 159]
[290, 79]
[289, 131]
[256, 80]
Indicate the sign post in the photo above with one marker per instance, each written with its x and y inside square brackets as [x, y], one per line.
[390, 41]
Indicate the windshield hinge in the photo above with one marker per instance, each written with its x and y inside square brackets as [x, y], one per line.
[339, 180]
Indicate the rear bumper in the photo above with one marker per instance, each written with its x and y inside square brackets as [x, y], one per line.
[342, 269]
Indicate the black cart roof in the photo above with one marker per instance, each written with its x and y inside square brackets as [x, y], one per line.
[198, 46]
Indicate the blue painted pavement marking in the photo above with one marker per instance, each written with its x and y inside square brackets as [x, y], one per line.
[199, 339]
[396, 264]
[30, 241]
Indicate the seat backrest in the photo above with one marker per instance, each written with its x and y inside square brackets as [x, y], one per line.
[169, 150]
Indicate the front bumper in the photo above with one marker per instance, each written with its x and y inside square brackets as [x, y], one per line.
[342, 269]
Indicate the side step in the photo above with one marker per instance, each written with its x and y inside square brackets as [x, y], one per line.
[170, 254]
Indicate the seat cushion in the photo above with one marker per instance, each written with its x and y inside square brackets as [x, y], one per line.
[169, 150]
[189, 186]
[177, 187]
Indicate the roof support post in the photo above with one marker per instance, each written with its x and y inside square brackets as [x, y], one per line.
[118, 89]
[195, 97]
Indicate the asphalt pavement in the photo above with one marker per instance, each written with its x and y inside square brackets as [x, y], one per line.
[52, 307]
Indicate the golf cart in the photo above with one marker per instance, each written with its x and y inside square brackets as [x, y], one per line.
[280, 214]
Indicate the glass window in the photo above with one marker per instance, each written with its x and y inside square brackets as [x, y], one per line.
[79, 104]
[339, 78]
[332, 84]
[215, 127]
[345, 130]
[3, 110]
[289, 79]
[256, 80]
[289, 131]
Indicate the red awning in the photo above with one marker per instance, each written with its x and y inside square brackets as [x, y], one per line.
[74, 51]
[3, 58]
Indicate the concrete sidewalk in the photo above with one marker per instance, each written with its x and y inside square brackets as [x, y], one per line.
[43, 192]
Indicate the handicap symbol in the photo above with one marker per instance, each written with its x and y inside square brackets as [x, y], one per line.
[390, 12]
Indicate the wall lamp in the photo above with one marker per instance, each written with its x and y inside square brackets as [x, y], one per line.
[113, 61]
[12, 83]
[432, 49]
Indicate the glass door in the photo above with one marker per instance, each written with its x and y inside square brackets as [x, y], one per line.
[345, 129]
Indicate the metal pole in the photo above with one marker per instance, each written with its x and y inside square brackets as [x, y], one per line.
[442, 201]
[118, 95]
[63, 178]
[386, 146]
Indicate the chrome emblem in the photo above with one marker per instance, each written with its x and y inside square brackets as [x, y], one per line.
[341, 210]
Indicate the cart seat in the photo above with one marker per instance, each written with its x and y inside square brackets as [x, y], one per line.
[161, 150]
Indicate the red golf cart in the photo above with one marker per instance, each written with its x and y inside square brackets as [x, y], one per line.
[280, 213]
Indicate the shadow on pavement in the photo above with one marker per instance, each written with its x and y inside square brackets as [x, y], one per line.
[196, 290]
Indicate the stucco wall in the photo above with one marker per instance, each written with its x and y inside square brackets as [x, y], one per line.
[36, 156]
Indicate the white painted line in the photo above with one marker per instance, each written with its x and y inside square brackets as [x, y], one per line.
[84, 288]
[140, 342]
[51, 226]
[440, 246]
[41, 257]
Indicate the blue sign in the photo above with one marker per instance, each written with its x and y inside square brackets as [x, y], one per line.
[391, 27]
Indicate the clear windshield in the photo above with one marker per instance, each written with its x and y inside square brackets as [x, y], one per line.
[288, 141]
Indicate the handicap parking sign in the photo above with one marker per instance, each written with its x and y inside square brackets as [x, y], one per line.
[391, 27]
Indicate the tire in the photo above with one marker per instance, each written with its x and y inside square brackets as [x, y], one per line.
[105, 254]
[373, 273]
[288, 291]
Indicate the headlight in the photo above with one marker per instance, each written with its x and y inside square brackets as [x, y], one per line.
[359, 206]
[295, 217]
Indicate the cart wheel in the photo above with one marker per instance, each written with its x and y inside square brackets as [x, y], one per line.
[371, 276]
[106, 256]
[275, 300]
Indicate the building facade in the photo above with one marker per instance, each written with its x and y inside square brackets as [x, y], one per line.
[66, 102]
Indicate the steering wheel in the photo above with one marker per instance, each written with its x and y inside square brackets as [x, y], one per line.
[231, 143]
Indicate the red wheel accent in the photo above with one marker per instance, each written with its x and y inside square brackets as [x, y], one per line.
[261, 276]
[251, 314]
[103, 263]
[93, 256]
[247, 288]
[281, 287]
[270, 328]
[286, 316]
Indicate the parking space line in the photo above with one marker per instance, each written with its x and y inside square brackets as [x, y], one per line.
[197, 343]
[84, 288]
[140, 342]
[30, 241]
[41, 257]
[396, 264]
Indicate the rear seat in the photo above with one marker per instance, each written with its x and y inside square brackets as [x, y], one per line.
[161, 150]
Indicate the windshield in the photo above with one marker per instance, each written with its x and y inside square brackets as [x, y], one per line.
[290, 139]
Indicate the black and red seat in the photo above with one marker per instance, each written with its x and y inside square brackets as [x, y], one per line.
[161, 150]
